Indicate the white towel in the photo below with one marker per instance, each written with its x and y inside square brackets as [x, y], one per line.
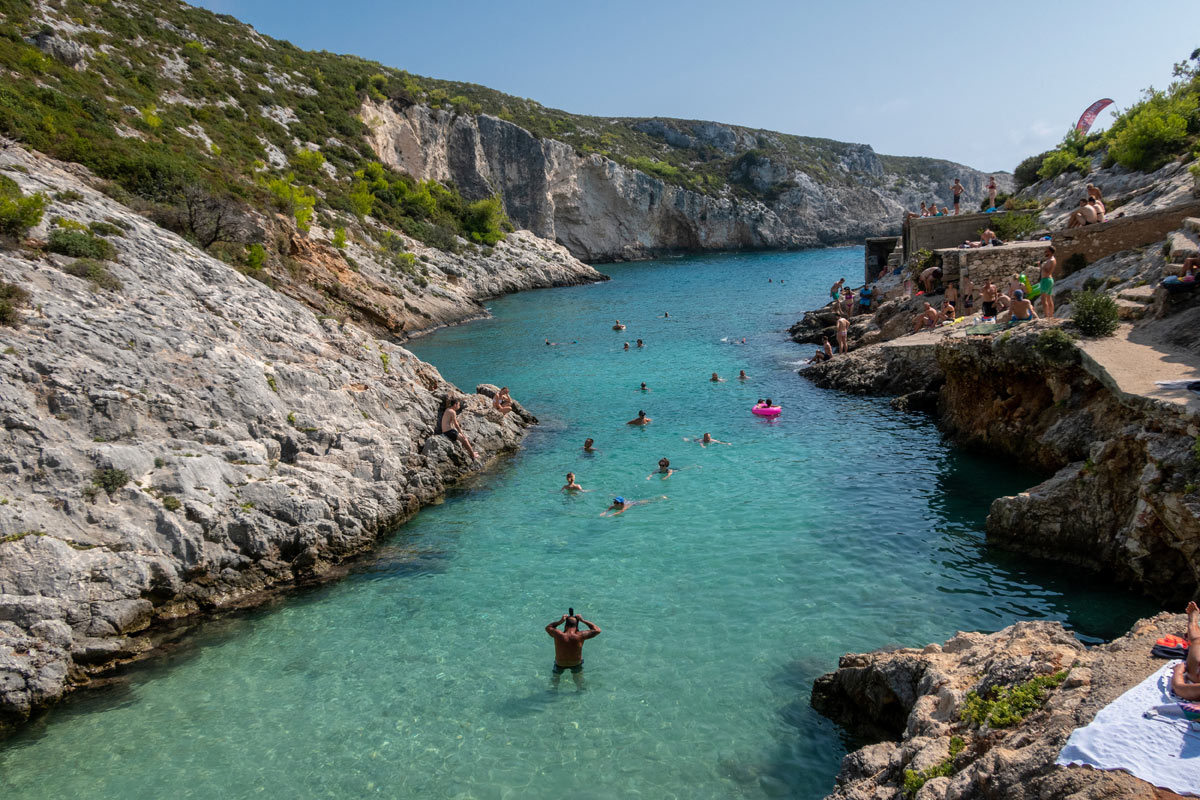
[1161, 750]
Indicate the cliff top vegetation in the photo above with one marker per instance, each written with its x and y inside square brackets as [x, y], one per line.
[185, 112]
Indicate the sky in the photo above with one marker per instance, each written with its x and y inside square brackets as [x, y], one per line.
[983, 84]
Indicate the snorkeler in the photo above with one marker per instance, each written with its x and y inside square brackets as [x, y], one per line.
[706, 440]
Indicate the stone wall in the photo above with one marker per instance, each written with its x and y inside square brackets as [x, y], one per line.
[1123, 233]
[997, 263]
[935, 233]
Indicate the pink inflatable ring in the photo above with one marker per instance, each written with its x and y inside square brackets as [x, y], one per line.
[767, 411]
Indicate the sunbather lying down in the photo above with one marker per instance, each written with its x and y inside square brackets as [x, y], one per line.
[1185, 681]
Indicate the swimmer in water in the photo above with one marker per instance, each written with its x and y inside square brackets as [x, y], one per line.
[627, 345]
[742, 375]
[716, 378]
[639, 343]
[641, 419]
[572, 486]
[707, 439]
[666, 315]
[587, 446]
[620, 505]
[618, 326]
[551, 344]
[644, 389]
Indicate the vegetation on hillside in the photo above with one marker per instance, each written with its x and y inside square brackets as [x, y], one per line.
[1162, 126]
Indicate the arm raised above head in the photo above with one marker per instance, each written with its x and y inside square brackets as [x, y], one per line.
[552, 628]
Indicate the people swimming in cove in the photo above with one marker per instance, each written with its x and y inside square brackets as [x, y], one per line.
[571, 486]
[627, 345]
[640, 419]
[618, 326]
[568, 645]
[716, 378]
[640, 343]
[742, 375]
[643, 388]
[620, 505]
[589, 446]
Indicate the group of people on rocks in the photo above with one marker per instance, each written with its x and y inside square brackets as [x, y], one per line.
[1002, 306]
[957, 190]
[1090, 211]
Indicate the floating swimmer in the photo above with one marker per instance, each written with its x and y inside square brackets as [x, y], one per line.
[620, 505]
[766, 409]
[618, 326]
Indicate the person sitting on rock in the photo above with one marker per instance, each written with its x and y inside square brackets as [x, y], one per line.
[502, 402]
[826, 347]
[449, 426]
[1020, 309]
[1084, 215]
[947, 310]
[928, 318]
[1098, 207]
[1185, 678]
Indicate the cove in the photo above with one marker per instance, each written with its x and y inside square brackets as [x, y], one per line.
[845, 525]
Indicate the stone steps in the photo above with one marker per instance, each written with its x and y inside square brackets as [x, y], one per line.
[1137, 294]
[1183, 244]
[1130, 309]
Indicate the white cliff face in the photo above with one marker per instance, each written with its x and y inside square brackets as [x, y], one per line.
[192, 438]
[601, 210]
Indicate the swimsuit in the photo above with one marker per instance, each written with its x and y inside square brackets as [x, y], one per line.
[1046, 286]
[989, 308]
[557, 670]
[451, 434]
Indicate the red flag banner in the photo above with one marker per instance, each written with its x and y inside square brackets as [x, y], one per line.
[1090, 115]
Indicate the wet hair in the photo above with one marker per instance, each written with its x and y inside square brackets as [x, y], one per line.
[641, 413]
[769, 402]
[664, 461]
[588, 440]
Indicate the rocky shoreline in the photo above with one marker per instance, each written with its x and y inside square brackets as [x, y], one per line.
[185, 439]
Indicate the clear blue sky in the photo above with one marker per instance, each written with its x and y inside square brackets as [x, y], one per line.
[985, 84]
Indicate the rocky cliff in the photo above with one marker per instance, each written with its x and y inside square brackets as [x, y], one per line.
[911, 702]
[603, 210]
[178, 437]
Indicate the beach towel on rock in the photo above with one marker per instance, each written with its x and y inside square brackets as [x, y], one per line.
[1160, 749]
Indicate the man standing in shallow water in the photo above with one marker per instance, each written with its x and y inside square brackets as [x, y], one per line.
[568, 645]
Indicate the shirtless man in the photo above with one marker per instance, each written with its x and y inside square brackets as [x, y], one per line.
[952, 293]
[835, 291]
[449, 426]
[958, 190]
[1185, 679]
[843, 332]
[947, 310]
[967, 289]
[716, 378]
[640, 343]
[572, 486]
[1084, 215]
[617, 326]
[707, 439]
[641, 419]
[588, 446]
[1046, 284]
[988, 296]
[568, 645]
[1094, 191]
[826, 347]
[1020, 309]
[929, 277]
[620, 505]
[643, 389]
[929, 317]
[743, 376]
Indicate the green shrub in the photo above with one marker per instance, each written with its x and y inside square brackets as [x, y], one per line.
[110, 479]
[1152, 132]
[1076, 262]
[308, 161]
[339, 238]
[1060, 161]
[485, 221]
[95, 273]
[256, 256]
[1055, 344]
[293, 200]
[80, 244]
[105, 229]
[913, 780]
[12, 298]
[19, 212]
[920, 261]
[1026, 172]
[1012, 226]
[1006, 706]
[1094, 314]
[171, 503]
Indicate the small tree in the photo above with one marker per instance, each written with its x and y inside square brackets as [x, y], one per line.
[19, 212]
[1095, 314]
[207, 218]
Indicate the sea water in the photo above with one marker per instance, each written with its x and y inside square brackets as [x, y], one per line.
[843, 525]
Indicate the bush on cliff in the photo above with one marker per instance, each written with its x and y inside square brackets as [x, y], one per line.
[1095, 313]
[1005, 706]
[1153, 131]
[12, 298]
[18, 211]
[80, 244]
[1055, 344]
[485, 221]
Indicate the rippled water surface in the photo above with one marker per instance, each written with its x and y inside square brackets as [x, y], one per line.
[844, 525]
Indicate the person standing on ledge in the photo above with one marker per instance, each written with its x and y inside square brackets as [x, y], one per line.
[958, 190]
[991, 189]
[568, 645]
[1046, 283]
[843, 331]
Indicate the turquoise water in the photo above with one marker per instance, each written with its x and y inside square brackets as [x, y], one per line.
[845, 525]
